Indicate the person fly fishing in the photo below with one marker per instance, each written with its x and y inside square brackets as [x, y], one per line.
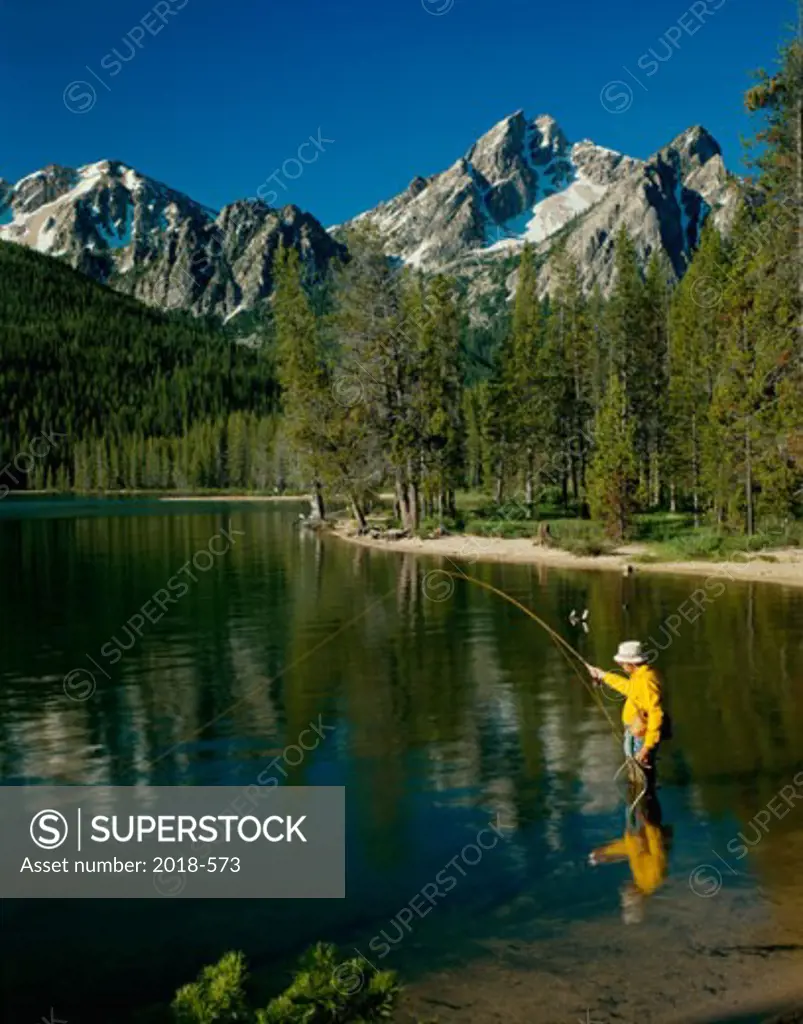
[645, 841]
[643, 717]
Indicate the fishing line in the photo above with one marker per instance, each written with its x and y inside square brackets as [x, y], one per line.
[563, 645]
[566, 649]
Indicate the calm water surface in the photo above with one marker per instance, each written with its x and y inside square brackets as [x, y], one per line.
[445, 711]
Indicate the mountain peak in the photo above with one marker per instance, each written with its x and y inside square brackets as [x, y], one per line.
[118, 225]
[492, 151]
[547, 124]
[696, 146]
[522, 181]
[696, 135]
[549, 134]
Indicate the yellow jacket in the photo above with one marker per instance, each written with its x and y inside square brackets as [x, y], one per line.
[646, 852]
[643, 704]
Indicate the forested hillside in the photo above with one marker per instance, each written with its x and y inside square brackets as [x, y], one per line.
[676, 396]
[680, 398]
[141, 399]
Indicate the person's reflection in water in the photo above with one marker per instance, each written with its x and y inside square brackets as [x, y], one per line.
[645, 845]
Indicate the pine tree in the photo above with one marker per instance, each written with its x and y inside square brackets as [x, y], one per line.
[439, 376]
[778, 232]
[475, 459]
[375, 331]
[655, 368]
[613, 473]
[566, 375]
[524, 419]
[745, 458]
[500, 454]
[695, 346]
[630, 358]
[780, 143]
[303, 373]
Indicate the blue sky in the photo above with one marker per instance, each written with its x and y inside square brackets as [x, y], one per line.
[215, 97]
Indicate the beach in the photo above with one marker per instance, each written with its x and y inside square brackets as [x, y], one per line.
[782, 565]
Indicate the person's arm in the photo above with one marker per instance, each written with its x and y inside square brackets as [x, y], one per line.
[655, 715]
[610, 852]
[617, 682]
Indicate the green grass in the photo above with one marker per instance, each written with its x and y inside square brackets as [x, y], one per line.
[580, 537]
[509, 529]
[708, 544]
[661, 526]
[429, 524]
[667, 536]
[588, 548]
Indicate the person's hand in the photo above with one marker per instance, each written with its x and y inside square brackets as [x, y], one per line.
[595, 673]
[643, 756]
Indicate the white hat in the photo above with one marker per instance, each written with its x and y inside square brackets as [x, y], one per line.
[630, 653]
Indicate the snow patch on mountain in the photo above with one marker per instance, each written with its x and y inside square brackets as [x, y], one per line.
[131, 180]
[29, 177]
[237, 310]
[100, 207]
[46, 235]
[522, 181]
[416, 258]
[36, 223]
[565, 192]
[89, 175]
[556, 211]
[121, 232]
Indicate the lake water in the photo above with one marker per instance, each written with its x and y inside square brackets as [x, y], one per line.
[443, 712]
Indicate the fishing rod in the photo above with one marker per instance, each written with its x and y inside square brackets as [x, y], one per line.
[566, 649]
[563, 645]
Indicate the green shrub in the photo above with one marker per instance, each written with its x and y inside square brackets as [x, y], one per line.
[510, 529]
[218, 995]
[661, 526]
[702, 543]
[587, 548]
[580, 537]
[327, 990]
[429, 524]
[706, 543]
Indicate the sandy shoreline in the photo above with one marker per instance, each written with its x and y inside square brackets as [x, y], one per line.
[236, 497]
[519, 982]
[786, 567]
